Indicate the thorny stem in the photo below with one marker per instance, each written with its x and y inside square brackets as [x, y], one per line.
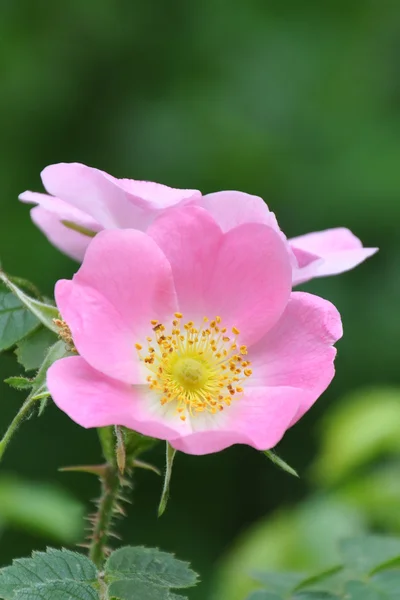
[111, 484]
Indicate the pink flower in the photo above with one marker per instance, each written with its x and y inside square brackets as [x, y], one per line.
[192, 335]
[83, 201]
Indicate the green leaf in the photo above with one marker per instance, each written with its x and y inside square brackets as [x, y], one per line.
[32, 350]
[19, 383]
[279, 462]
[365, 554]
[45, 313]
[280, 583]
[42, 509]
[129, 590]
[51, 575]
[15, 320]
[170, 455]
[149, 565]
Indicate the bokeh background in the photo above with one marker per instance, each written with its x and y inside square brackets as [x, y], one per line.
[298, 102]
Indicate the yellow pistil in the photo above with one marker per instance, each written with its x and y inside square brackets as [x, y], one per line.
[197, 368]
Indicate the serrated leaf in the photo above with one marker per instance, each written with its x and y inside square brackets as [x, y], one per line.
[170, 455]
[32, 350]
[15, 320]
[149, 565]
[128, 589]
[50, 575]
[45, 313]
[365, 554]
[19, 383]
[280, 583]
[60, 590]
[279, 462]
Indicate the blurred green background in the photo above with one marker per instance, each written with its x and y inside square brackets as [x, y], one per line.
[298, 102]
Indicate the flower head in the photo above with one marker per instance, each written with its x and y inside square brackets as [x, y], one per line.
[191, 334]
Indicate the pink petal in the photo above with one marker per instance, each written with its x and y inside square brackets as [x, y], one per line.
[243, 276]
[298, 352]
[115, 203]
[230, 209]
[70, 242]
[125, 282]
[258, 419]
[92, 399]
[48, 216]
[335, 250]
[156, 195]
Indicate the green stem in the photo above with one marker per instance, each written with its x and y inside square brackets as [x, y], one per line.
[16, 422]
[110, 488]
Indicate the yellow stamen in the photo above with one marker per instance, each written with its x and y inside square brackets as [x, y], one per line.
[194, 367]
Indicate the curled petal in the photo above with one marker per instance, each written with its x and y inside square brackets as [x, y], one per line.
[327, 252]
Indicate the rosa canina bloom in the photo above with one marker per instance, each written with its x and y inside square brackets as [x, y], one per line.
[82, 201]
[192, 335]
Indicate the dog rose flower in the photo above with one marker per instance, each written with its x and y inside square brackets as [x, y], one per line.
[82, 201]
[191, 334]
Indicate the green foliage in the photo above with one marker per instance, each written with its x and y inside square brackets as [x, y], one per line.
[45, 313]
[43, 509]
[32, 350]
[16, 321]
[54, 575]
[143, 573]
[150, 566]
[19, 383]
[368, 572]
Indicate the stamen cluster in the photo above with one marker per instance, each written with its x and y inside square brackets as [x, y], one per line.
[198, 368]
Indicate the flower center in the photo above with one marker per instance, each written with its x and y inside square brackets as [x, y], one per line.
[196, 368]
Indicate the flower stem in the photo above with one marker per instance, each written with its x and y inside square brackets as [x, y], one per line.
[16, 422]
[110, 489]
